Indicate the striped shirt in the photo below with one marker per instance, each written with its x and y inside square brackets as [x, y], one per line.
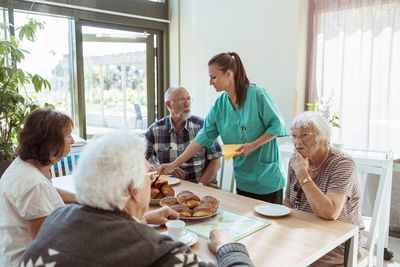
[165, 144]
[338, 174]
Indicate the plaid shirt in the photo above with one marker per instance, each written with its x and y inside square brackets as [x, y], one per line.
[165, 144]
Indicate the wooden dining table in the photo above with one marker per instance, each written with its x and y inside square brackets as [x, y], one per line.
[297, 239]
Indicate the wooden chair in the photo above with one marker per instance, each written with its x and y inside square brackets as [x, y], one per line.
[65, 165]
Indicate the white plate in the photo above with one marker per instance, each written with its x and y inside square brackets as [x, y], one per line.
[189, 238]
[198, 217]
[172, 180]
[273, 210]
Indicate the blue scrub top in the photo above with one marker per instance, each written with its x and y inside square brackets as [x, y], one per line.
[260, 172]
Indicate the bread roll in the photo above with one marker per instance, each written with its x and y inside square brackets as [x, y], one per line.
[167, 191]
[189, 200]
[204, 209]
[160, 182]
[154, 193]
[169, 201]
[210, 199]
[159, 196]
[184, 192]
[182, 210]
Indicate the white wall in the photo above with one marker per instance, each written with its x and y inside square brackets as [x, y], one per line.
[267, 34]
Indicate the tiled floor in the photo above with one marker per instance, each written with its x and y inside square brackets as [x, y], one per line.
[394, 245]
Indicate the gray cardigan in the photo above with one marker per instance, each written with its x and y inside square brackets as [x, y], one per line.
[84, 236]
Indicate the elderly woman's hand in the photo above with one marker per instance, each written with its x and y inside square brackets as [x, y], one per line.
[299, 165]
[218, 238]
[161, 216]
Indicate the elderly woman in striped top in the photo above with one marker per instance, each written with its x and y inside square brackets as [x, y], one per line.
[321, 179]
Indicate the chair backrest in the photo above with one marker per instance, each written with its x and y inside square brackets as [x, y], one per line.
[66, 165]
[220, 175]
[224, 174]
[365, 172]
[286, 151]
[138, 112]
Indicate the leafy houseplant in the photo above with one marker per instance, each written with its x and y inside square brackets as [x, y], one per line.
[15, 104]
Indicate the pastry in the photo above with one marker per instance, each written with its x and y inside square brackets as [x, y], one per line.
[167, 190]
[160, 182]
[154, 193]
[204, 209]
[169, 201]
[182, 210]
[210, 199]
[184, 192]
[159, 196]
[188, 199]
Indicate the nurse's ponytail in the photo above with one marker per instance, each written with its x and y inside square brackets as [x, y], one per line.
[231, 61]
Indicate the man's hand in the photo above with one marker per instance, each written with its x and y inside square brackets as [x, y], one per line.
[166, 168]
[202, 181]
[178, 173]
[161, 216]
[218, 238]
[170, 169]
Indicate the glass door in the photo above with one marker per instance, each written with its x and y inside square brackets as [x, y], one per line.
[116, 79]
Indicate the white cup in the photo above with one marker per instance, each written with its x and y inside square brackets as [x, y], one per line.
[175, 229]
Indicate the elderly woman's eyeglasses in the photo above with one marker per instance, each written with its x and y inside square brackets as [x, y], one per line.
[152, 175]
[184, 99]
[301, 136]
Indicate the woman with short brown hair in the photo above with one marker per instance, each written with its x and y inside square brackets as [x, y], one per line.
[27, 195]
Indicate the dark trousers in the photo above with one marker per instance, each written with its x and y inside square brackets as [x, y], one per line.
[275, 197]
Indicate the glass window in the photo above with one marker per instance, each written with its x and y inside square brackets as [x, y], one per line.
[115, 79]
[4, 19]
[3, 16]
[51, 57]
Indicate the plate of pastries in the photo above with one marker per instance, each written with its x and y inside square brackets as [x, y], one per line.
[190, 206]
[159, 190]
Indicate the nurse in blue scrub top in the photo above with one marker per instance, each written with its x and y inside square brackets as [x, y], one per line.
[244, 114]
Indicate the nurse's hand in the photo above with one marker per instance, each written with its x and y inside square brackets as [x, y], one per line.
[244, 150]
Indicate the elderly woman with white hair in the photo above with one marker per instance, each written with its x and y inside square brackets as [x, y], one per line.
[109, 228]
[321, 179]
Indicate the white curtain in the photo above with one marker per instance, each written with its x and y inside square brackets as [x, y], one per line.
[356, 55]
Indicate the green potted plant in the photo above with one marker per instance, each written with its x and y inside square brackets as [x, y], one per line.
[15, 104]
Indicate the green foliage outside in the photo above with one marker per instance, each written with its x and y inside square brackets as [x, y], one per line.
[15, 104]
[112, 75]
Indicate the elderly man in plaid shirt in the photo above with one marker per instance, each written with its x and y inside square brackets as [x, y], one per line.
[169, 137]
